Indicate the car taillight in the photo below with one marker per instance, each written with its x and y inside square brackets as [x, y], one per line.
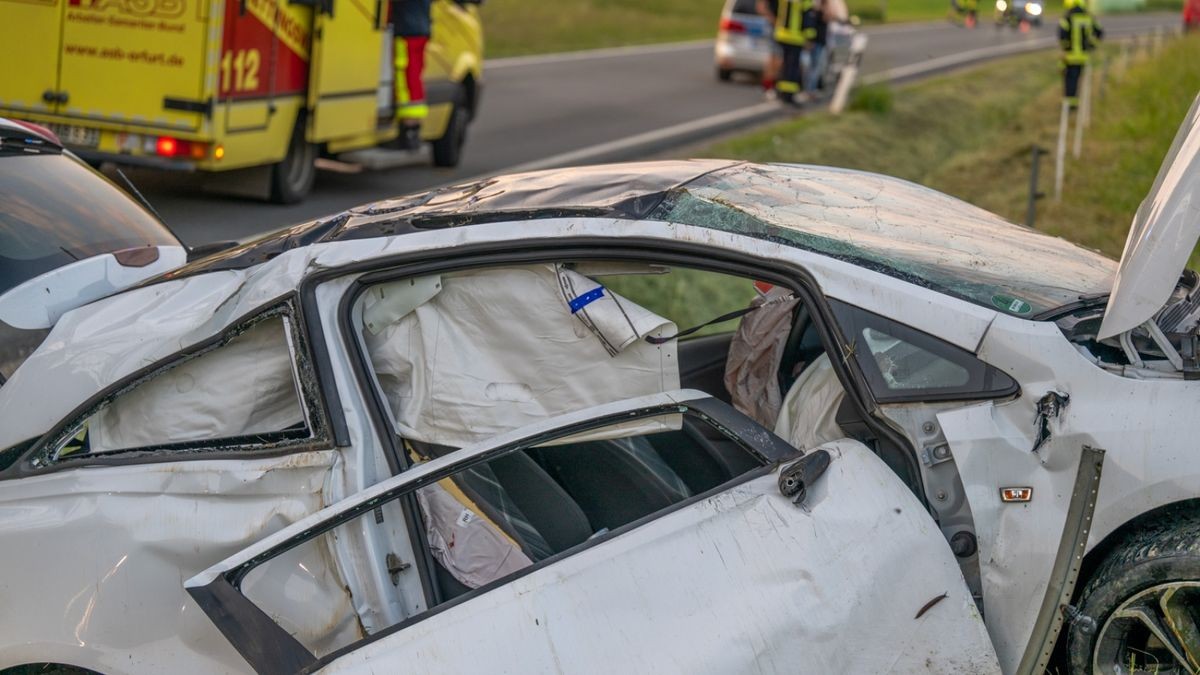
[729, 25]
[165, 146]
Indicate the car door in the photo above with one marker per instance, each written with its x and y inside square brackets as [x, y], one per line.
[834, 568]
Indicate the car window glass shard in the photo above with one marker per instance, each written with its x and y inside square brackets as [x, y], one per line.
[903, 364]
[505, 348]
[243, 392]
[894, 227]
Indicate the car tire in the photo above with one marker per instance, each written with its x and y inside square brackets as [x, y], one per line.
[447, 150]
[724, 74]
[1146, 589]
[292, 179]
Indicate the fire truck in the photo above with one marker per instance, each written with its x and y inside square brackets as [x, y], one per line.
[223, 85]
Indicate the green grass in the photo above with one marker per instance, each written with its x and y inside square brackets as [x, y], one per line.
[971, 135]
[686, 296]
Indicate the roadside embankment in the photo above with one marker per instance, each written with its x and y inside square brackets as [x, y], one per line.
[971, 135]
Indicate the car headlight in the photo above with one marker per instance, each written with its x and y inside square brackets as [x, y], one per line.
[1001, 5]
[1033, 8]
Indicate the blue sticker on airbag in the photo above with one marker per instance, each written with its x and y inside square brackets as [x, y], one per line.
[586, 299]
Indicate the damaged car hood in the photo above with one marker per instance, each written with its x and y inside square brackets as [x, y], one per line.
[1162, 237]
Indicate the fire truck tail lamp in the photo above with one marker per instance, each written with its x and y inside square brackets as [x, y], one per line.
[165, 146]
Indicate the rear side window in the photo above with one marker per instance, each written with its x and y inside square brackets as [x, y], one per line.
[55, 210]
[242, 394]
[903, 364]
[745, 7]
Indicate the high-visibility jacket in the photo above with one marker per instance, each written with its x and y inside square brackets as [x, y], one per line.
[1078, 33]
[789, 22]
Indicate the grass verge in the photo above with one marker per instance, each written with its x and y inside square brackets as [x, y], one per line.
[971, 135]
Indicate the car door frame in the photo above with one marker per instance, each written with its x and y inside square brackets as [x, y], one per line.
[721, 259]
[532, 251]
[269, 648]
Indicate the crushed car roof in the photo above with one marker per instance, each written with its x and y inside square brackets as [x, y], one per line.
[885, 224]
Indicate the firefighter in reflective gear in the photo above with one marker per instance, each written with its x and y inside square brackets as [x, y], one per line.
[1078, 33]
[411, 23]
[792, 37]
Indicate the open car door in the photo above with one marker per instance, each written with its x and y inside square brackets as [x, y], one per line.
[846, 573]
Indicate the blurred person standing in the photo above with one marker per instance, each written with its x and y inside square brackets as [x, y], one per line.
[411, 27]
[788, 18]
[815, 55]
[1078, 34]
[769, 9]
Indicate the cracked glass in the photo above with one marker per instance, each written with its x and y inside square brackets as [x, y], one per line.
[897, 228]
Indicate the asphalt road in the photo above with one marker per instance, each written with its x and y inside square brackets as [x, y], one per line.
[562, 106]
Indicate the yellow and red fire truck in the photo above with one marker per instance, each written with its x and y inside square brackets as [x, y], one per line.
[218, 85]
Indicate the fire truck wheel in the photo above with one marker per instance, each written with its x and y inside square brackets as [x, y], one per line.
[447, 150]
[292, 178]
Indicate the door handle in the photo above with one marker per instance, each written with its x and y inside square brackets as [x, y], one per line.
[49, 96]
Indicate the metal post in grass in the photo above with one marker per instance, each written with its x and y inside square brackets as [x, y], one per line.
[1034, 195]
[1123, 62]
[1060, 157]
[1085, 104]
[841, 93]
[1158, 41]
[1103, 79]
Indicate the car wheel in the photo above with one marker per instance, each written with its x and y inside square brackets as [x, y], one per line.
[724, 74]
[293, 178]
[447, 150]
[1144, 605]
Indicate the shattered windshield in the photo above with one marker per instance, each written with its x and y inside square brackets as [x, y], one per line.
[897, 228]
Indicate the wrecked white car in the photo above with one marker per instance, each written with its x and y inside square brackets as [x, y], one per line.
[682, 416]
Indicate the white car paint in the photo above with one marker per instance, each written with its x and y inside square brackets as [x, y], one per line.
[104, 597]
[40, 301]
[1163, 235]
[768, 586]
[114, 337]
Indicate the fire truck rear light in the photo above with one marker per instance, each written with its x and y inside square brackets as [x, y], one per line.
[166, 146]
[219, 152]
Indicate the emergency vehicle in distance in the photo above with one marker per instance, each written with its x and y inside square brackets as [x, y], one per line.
[216, 85]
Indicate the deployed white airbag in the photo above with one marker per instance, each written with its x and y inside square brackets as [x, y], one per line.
[808, 416]
[496, 349]
[242, 388]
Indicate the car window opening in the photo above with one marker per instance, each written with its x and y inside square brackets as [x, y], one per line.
[243, 393]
